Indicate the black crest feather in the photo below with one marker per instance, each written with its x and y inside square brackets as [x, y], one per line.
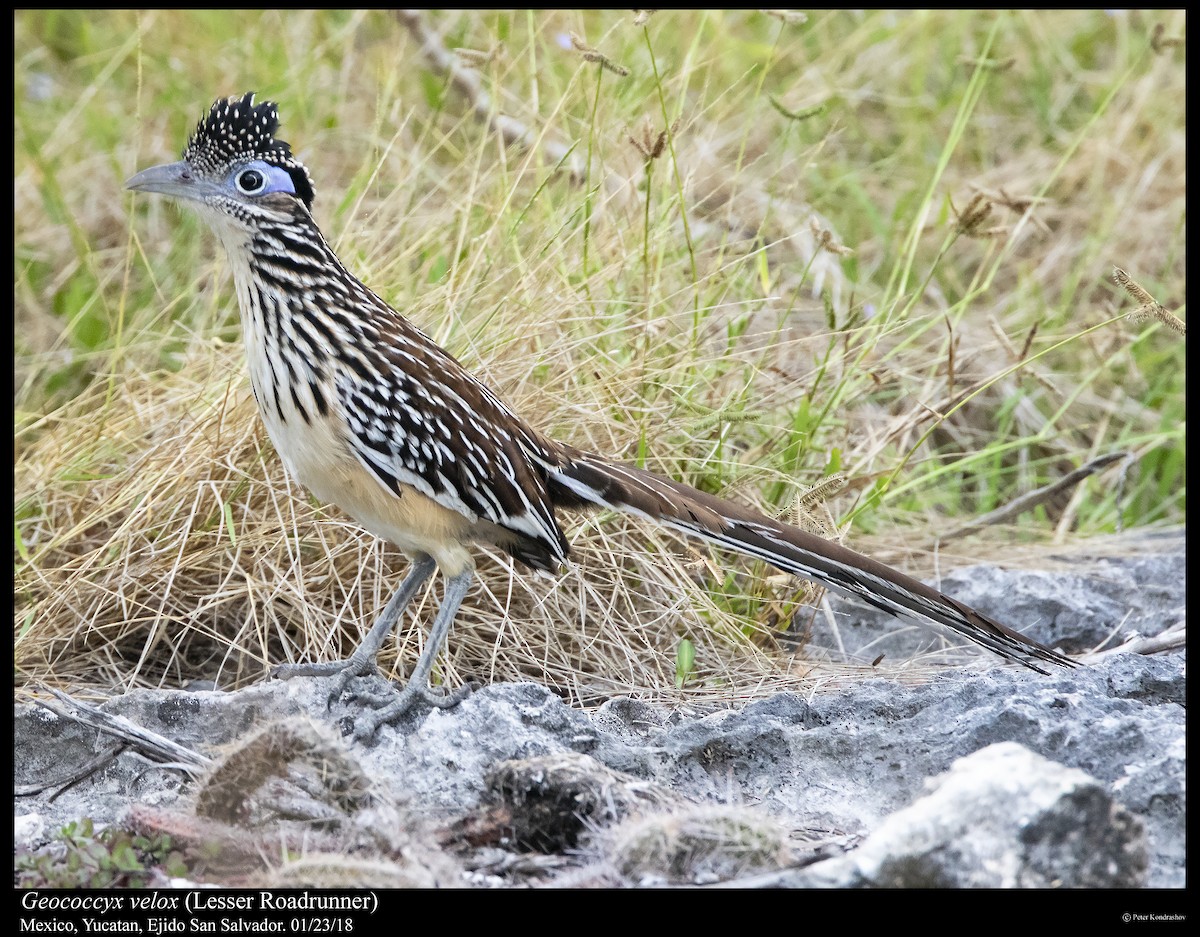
[237, 130]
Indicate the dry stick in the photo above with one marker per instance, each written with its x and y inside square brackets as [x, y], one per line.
[156, 747]
[469, 83]
[1034, 498]
[164, 753]
[1173, 637]
[85, 770]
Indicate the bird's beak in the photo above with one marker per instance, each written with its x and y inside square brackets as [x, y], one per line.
[175, 179]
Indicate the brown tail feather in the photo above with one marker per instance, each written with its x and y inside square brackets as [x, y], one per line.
[587, 479]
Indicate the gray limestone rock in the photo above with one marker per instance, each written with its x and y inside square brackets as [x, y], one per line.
[1100, 752]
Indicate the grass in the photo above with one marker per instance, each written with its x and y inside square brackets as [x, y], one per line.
[759, 258]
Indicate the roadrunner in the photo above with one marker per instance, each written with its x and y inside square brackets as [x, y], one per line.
[371, 415]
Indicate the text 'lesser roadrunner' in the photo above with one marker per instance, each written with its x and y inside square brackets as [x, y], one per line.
[373, 416]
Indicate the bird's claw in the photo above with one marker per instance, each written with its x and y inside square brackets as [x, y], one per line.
[366, 725]
[343, 671]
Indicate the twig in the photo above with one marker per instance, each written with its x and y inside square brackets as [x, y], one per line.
[470, 84]
[85, 770]
[154, 746]
[1034, 498]
[1172, 638]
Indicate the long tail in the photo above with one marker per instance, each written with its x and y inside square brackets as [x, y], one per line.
[582, 478]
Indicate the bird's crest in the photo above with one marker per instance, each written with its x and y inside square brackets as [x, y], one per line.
[237, 130]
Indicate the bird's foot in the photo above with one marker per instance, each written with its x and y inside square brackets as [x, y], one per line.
[390, 709]
[354, 666]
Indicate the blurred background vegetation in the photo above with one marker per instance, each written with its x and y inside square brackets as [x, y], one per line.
[748, 249]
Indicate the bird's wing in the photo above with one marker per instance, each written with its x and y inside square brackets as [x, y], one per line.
[421, 419]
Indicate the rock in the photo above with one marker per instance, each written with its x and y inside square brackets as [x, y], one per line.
[1085, 598]
[1000, 818]
[841, 766]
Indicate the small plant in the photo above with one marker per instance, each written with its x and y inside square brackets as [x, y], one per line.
[79, 857]
[697, 845]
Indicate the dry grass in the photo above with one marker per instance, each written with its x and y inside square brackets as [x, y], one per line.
[739, 263]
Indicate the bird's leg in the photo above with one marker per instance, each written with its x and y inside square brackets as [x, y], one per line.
[362, 661]
[418, 683]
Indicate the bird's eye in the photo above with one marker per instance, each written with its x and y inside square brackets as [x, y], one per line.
[261, 178]
[251, 181]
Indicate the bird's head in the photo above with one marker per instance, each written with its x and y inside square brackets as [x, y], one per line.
[233, 168]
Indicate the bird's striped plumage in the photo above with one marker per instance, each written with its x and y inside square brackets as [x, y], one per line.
[371, 414]
[410, 414]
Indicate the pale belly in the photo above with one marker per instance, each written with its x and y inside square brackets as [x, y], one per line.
[320, 458]
[323, 463]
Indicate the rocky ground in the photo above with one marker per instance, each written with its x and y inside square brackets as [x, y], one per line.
[982, 775]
